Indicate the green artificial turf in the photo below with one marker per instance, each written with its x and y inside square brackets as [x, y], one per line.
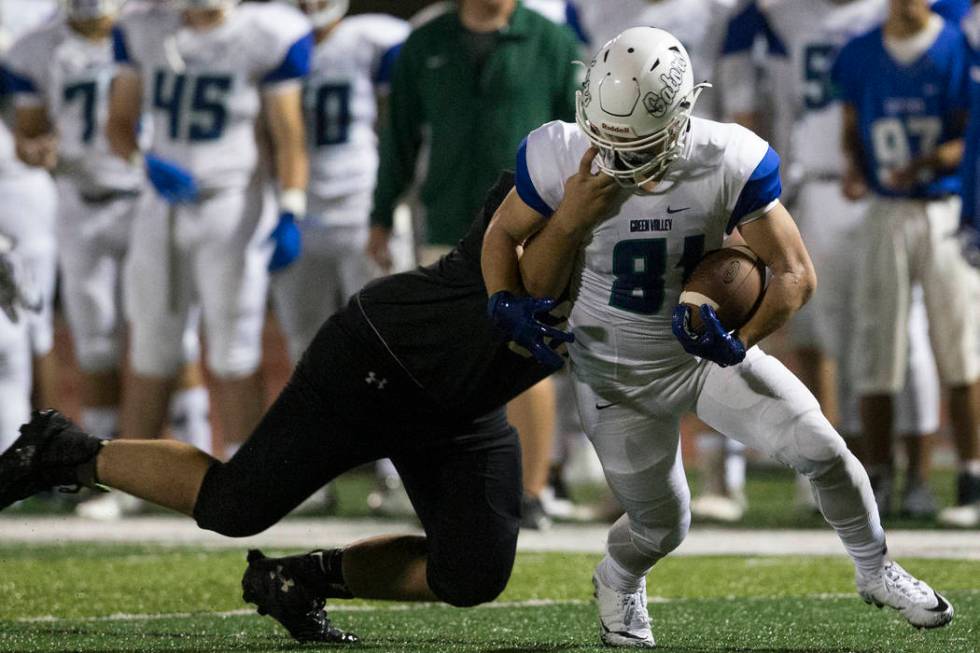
[119, 598]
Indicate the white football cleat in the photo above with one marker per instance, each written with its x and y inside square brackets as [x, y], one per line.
[623, 618]
[922, 606]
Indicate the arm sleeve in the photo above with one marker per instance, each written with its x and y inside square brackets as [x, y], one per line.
[760, 191]
[401, 139]
[120, 47]
[296, 63]
[525, 185]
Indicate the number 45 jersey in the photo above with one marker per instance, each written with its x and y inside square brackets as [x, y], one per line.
[629, 274]
[203, 88]
[350, 69]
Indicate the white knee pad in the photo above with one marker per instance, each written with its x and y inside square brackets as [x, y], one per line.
[232, 359]
[645, 535]
[811, 445]
[97, 354]
[156, 350]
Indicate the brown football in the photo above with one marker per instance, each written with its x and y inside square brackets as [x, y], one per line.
[732, 280]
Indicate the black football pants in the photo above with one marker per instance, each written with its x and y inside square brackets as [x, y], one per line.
[344, 407]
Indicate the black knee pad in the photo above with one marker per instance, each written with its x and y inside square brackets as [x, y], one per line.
[476, 586]
[221, 509]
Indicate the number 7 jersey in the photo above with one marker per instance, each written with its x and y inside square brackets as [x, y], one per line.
[202, 88]
[630, 271]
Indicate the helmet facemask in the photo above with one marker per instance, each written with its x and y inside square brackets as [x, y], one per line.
[84, 10]
[322, 12]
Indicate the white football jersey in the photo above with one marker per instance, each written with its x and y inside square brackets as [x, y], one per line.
[349, 69]
[812, 33]
[629, 274]
[202, 88]
[69, 76]
[698, 24]
[17, 17]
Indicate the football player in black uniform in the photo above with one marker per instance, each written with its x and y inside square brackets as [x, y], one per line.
[412, 370]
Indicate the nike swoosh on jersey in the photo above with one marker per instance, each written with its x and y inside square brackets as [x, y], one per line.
[672, 212]
[605, 406]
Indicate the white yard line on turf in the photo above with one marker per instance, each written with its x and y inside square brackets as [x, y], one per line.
[589, 538]
[407, 607]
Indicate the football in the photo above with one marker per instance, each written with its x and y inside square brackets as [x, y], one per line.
[732, 280]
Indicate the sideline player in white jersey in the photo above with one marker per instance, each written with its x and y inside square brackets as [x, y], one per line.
[342, 98]
[27, 217]
[203, 69]
[668, 188]
[63, 71]
[698, 24]
[806, 37]
[350, 68]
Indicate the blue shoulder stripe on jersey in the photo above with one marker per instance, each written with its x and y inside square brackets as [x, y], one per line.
[760, 190]
[14, 83]
[524, 185]
[575, 23]
[742, 30]
[953, 11]
[387, 65]
[120, 53]
[296, 63]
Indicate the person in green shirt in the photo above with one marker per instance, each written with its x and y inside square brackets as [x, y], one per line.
[469, 84]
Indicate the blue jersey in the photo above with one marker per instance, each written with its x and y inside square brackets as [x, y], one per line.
[904, 111]
[971, 164]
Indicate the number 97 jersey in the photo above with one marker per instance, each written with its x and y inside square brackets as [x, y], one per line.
[631, 270]
[905, 108]
[203, 87]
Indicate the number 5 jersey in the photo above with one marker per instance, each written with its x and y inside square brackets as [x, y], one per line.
[202, 87]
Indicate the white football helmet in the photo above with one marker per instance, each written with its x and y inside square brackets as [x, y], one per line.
[635, 104]
[322, 12]
[91, 9]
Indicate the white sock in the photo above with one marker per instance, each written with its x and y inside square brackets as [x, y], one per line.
[189, 420]
[971, 467]
[101, 422]
[384, 468]
[612, 574]
[734, 466]
[844, 495]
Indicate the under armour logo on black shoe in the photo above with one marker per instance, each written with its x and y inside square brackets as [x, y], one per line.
[287, 583]
[372, 379]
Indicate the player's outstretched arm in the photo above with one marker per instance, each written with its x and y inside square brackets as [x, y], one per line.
[775, 238]
[284, 110]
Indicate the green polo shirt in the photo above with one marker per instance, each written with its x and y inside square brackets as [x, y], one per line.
[473, 117]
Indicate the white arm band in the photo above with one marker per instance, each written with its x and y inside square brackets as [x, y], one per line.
[293, 200]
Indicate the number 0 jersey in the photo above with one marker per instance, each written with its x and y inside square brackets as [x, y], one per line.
[905, 110]
[350, 67]
[630, 271]
[69, 76]
[202, 87]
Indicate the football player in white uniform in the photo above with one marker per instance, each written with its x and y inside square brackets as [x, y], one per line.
[63, 71]
[27, 215]
[203, 69]
[806, 37]
[668, 188]
[351, 66]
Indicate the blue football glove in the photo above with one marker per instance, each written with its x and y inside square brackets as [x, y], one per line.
[288, 243]
[172, 182]
[715, 344]
[517, 316]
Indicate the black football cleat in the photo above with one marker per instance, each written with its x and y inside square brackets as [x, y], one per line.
[47, 454]
[280, 588]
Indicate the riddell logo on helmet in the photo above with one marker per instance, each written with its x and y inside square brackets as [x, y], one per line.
[657, 104]
[616, 128]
